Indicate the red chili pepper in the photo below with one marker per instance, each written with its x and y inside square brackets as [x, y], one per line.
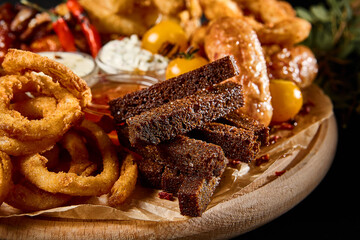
[65, 36]
[90, 32]
[60, 27]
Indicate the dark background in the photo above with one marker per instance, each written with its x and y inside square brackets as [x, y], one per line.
[331, 211]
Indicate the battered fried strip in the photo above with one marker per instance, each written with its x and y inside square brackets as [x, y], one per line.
[183, 115]
[175, 88]
[125, 185]
[237, 143]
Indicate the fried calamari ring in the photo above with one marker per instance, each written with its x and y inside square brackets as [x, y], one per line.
[5, 176]
[27, 197]
[80, 163]
[18, 61]
[66, 114]
[125, 185]
[33, 167]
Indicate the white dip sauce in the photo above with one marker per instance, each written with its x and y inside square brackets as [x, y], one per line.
[127, 55]
[81, 64]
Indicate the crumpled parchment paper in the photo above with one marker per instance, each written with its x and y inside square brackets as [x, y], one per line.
[144, 203]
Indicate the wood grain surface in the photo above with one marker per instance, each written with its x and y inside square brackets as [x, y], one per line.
[228, 219]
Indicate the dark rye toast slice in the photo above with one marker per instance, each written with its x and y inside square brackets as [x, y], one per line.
[237, 143]
[194, 192]
[183, 115]
[175, 88]
[195, 195]
[241, 120]
[190, 156]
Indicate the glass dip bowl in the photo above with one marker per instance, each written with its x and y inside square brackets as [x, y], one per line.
[109, 87]
[81, 64]
[127, 56]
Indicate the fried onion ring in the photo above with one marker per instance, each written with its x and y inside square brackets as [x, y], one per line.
[76, 147]
[33, 167]
[27, 197]
[15, 147]
[18, 61]
[5, 176]
[66, 114]
[52, 156]
[35, 108]
[125, 185]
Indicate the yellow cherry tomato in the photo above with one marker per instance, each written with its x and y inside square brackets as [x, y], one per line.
[286, 100]
[182, 65]
[164, 34]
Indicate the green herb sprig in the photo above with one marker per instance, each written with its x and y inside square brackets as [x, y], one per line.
[335, 40]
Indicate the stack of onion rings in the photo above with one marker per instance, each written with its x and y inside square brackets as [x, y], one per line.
[18, 61]
[33, 167]
[22, 134]
[13, 125]
[42, 131]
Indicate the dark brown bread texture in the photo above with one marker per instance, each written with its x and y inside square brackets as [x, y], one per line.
[195, 195]
[182, 115]
[171, 180]
[194, 192]
[237, 143]
[175, 88]
[190, 156]
[242, 121]
[150, 173]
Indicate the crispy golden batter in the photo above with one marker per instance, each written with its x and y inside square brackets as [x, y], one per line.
[33, 167]
[233, 36]
[80, 163]
[125, 185]
[214, 9]
[66, 114]
[5, 175]
[274, 21]
[18, 61]
[35, 108]
[27, 197]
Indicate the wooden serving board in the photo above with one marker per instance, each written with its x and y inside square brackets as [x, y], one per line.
[230, 218]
